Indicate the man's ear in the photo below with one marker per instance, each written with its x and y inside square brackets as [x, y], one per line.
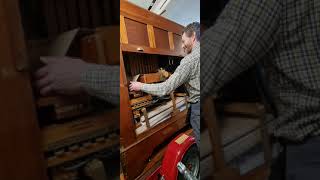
[193, 36]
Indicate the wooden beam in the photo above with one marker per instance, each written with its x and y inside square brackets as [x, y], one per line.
[123, 31]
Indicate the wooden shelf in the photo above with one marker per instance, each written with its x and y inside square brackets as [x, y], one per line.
[56, 136]
[83, 151]
[148, 50]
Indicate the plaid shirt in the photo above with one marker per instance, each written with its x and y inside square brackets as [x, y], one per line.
[188, 73]
[102, 81]
[285, 36]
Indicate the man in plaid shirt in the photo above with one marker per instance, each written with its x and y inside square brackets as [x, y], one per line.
[188, 73]
[285, 36]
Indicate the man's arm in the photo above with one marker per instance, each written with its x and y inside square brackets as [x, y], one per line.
[244, 32]
[102, 81]
[179, 77]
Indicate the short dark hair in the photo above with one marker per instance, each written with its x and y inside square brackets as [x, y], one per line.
[192, 28]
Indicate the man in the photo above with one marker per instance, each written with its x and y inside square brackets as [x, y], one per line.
[188, 73]
[286, 35]
[69, 76]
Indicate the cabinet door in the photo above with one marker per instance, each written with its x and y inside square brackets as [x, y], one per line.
[161, 38]
[21, 156]
[137, 32]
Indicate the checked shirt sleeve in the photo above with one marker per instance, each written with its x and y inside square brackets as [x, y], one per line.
[179, 77]
[102, 81]
[243, 33]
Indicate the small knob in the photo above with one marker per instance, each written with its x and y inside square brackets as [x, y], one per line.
[140, 49]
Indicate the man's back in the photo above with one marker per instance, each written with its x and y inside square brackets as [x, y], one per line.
[284, 34]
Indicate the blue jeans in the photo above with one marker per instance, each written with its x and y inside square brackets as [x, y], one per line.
[303, 160]
[195, 121]
[299, 161]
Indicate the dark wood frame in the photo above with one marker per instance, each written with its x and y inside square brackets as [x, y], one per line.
[221, 170]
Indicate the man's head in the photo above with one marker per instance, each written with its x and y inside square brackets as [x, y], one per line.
[190, 35]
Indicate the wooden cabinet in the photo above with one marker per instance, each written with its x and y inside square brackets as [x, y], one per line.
[143, 31]
[148, 42]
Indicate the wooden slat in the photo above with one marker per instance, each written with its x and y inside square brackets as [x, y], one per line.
[84, 13]
[107, 16]
[148, 50]
[123, 31]
[151, 36]
[55, 135]
[140, 99]
[73, 14]
[171, 43]
[51, 17]
[84, 151]
[62, 15]
[95, 12]
[115, 11]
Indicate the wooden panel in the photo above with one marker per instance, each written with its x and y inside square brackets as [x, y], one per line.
[145, 145]
[72, 13]
[123, 31]
[95, 12]
[177, 44]
[62, 15]
[84, 13]
[21, 156]
[51, 17]
[171, 42]
[66, 134]
[161, 38]
[151, 36]
[137, 32]
[108, 38]
[148, 50]
[127, 134]
[106, 12]
[102, 47]
[150, 78]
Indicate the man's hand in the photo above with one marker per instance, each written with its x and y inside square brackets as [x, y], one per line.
[135, 86]
[60, 75]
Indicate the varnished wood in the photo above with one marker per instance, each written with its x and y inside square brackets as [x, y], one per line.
[137, 32]
[148, 142]
[123, 31]
[127, 134]
[148, 36]
[134, 48]
[171, 42]
[161, 38]
[150, 78]
[69, 133]
[151, 36]
[161, 33]
[83, 151]
[21, 157]
[221, 170]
